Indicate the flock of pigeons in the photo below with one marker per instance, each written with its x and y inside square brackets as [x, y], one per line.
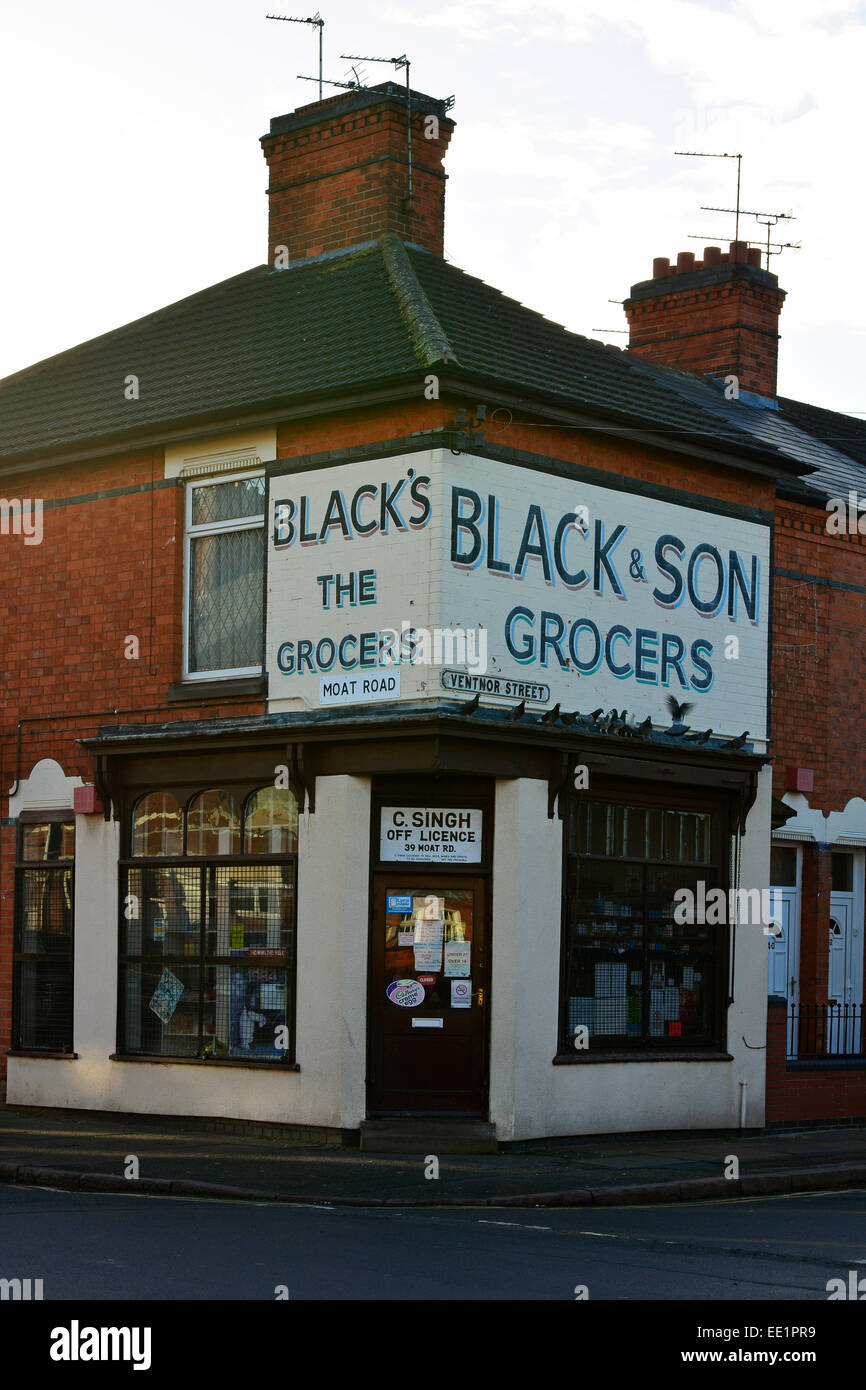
[617, 722]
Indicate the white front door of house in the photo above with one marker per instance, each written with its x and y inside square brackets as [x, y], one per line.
[782, 969]
[783, 952]
[844, 979]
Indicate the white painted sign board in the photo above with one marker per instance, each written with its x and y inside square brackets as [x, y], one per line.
[427, 563]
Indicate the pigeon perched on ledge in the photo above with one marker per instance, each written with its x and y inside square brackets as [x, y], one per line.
[518, 711]
[470, 706]
[736, 743]
[550, 716]
[700, 738]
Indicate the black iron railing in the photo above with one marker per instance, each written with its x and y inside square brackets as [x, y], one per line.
[816, 1031]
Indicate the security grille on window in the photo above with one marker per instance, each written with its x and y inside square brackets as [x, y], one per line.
[208, 916]
[42, 965]
[635, 976]
[225, 549]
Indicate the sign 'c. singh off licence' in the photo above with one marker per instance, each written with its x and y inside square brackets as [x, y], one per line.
[419, 834]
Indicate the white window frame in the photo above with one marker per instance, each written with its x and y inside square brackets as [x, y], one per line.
[247, 523]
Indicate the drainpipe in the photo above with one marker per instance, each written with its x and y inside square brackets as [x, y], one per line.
[743, 1085]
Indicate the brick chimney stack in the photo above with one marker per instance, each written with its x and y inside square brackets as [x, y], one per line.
[718, 316]
[339, 173]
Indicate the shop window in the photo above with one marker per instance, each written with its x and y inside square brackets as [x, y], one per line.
[213, 824]
[43, 941]
[633, 975]
[225, 553]
[271, 823]
[157, 827]
[207, 940]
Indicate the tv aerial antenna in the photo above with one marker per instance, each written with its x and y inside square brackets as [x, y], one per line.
[768, 220]
[315, 20]
[777, 245]
[701, 154]
[397, 63]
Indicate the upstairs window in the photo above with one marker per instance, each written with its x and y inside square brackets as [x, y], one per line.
[224, 567]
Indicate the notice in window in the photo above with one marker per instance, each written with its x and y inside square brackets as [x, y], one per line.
[166, 996]
[428, 940]
[457, 957]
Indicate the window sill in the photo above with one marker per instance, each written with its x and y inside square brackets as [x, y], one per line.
[587, 1057]
[46, 1056]
[191, 692]
[828, 1063]
[212, 1062]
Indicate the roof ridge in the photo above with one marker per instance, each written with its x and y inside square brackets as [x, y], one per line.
[429, 338]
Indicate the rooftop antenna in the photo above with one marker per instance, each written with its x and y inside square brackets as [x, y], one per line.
[766, 219]
[780, 246]
[699, 154]
[401, 62]
[319, 23]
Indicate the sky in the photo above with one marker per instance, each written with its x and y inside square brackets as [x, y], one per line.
[132, 173]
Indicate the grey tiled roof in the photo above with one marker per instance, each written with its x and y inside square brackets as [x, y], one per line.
[377, 315]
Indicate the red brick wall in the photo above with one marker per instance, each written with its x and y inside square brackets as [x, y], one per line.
[814, 925]
[818, 694]
[818, 676]
[344, 179]
[629, 460]
[822, 1093]
[106, 568]
[730, 327]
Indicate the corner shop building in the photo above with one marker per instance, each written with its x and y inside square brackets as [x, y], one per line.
[276, 922]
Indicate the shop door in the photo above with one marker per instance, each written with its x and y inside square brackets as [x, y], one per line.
[429, 996]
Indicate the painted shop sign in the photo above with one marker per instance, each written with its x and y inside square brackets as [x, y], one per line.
[412, 834]
[474, 576]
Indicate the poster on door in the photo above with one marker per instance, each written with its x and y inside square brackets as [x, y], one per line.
[461, 994]
[429, 933]
[457, 956]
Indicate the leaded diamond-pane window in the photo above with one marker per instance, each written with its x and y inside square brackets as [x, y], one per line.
[245, 497]
[225, 566]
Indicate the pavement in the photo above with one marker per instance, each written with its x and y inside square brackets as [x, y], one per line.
[90, 1151]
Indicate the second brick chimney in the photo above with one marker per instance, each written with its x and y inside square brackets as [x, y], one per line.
[339, 173]
[718, 316]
